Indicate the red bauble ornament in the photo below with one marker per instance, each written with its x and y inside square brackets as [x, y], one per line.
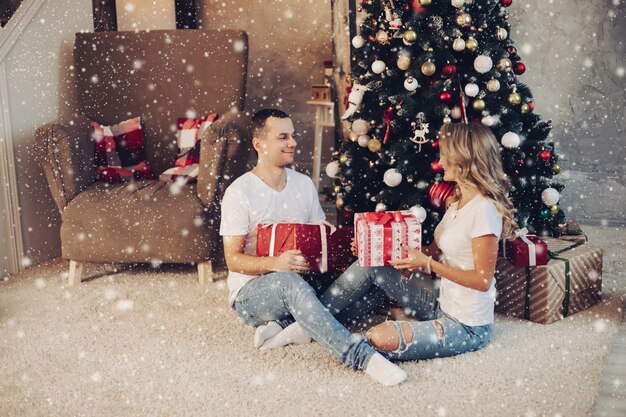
[519, 68]
[417, 7]
[511, 50]
[531, 106]
[436, 166]
[439, 192]
[545, 155]
[445, 96]
[449, 70]
[506, 3]
[434, 143]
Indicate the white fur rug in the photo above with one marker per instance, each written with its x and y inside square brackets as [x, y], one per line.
[143, 342]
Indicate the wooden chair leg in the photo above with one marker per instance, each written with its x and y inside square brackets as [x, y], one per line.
[76, 272]
[205, 272]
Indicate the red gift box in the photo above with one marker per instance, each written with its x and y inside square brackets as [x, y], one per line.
[380, 236]
[325, 247]
[525, 250]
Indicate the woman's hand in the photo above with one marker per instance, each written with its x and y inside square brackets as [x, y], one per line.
[353, 247]
[415, 260]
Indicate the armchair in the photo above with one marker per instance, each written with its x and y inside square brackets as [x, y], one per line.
[159, 75]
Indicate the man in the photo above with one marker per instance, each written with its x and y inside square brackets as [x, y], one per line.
[267, 292]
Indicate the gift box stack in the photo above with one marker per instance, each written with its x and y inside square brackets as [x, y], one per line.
[544, 280]
[381, 237]
[325, 247]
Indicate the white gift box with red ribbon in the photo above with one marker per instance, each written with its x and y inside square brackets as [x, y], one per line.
[384, 236]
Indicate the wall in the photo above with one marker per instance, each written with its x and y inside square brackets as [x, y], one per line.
[288, 43]
[574, 52]
[145, 14]
[38, 80]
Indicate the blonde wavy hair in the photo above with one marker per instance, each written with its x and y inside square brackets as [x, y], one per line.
[475, 151]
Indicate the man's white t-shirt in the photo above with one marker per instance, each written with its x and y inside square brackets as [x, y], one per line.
[249, 201]
[453, 236]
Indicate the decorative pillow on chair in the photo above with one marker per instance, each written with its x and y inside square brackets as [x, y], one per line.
[120, 151]
[188, 134]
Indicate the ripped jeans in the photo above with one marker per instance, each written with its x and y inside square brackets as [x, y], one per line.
[436, 335]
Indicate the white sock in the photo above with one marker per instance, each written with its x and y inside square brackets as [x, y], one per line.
[290, 334]
[384, 371]
[265, 332]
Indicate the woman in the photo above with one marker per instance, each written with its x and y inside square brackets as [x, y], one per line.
[463, 255]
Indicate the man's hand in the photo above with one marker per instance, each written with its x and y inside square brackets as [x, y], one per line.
[291, 261]
[353, 247]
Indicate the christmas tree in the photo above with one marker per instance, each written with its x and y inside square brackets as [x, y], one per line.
[417, 65]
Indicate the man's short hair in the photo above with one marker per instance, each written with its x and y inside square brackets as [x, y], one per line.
[260, 117]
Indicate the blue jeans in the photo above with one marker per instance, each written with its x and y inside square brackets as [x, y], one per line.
[436, 335]
[280, 296]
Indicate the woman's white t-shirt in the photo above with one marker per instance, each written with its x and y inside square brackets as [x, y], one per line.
[249, 201]
[453, 236]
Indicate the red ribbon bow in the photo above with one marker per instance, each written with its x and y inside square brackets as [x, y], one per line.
[384, 217]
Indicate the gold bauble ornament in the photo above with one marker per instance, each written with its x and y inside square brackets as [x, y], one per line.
[382, 37]
[515, 99]
[403, 62]
[409, 37]
[337, 188]
[343, 158]
[493, 85]
[471, 44]
[478, 104]
[425, 2]
[428, 68]
[502, 34]
[556, 168]
[554, 209]
[524, 108]
[463, 19]
[374, 145]
[504, 65]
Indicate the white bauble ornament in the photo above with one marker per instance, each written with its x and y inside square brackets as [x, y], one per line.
[447, 120]
[458, 44]
[483, 63]
[411, 84]
[360, 127]
[458, 3]
[455, 113]
[332, 169]
[392, 177]
[493, 85]
[510, 140]
[550, 196]
[362, 140]
[378, 66]
[358, 41]
[471, 90]
[381, 207]
[419, 212]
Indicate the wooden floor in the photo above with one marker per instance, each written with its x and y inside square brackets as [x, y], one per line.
[611, 400]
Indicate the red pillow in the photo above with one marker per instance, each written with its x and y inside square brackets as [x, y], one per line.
[120, 151]
[188, 133]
